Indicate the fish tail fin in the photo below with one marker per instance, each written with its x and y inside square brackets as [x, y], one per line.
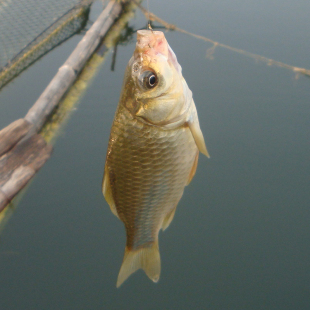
[147, 258]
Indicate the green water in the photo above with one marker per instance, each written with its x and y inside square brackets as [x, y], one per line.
[240, 237]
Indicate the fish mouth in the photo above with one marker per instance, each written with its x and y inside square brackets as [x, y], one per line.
[151, 43]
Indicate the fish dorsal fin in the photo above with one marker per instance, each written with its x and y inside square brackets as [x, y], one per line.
[168, 219]
[107, 191]
[193, 124]
[194, 168]
[147, 258]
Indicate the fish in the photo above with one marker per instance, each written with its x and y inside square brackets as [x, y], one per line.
[153, 150]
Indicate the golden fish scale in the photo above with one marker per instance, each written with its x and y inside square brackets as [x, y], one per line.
[148, 168]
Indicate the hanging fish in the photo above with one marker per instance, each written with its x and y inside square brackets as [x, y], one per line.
[153, 150]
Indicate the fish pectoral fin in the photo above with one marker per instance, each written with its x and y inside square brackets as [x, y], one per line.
[107, 192]
[147, 258]
[194, 127]
[194, 168]
[168, 219]
[198, 137]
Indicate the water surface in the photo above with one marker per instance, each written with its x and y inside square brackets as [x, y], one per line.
[240, 236]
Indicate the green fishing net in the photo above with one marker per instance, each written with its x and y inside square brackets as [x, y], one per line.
[31, 28]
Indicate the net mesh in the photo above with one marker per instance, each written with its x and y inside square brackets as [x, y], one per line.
[31, 28]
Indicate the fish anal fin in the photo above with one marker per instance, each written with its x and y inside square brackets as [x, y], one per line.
[146, 258]
[168, 219]
[107, 192]
[194, 168]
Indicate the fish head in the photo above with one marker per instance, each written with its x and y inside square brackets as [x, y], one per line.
[156, 90]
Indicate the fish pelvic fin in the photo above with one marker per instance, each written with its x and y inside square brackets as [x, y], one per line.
[107, 192]
[194, 168]
[146, 258]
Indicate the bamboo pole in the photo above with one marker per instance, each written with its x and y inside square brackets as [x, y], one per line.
[75, 93]
[20, 164]
[69, 71]
[11, 134]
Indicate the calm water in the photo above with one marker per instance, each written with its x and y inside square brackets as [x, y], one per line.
[241, 234]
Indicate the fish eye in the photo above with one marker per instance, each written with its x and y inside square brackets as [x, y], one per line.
[152, 80]
[149, 79]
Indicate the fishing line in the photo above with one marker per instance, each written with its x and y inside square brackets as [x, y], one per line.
[148, 17]
[210, 51]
